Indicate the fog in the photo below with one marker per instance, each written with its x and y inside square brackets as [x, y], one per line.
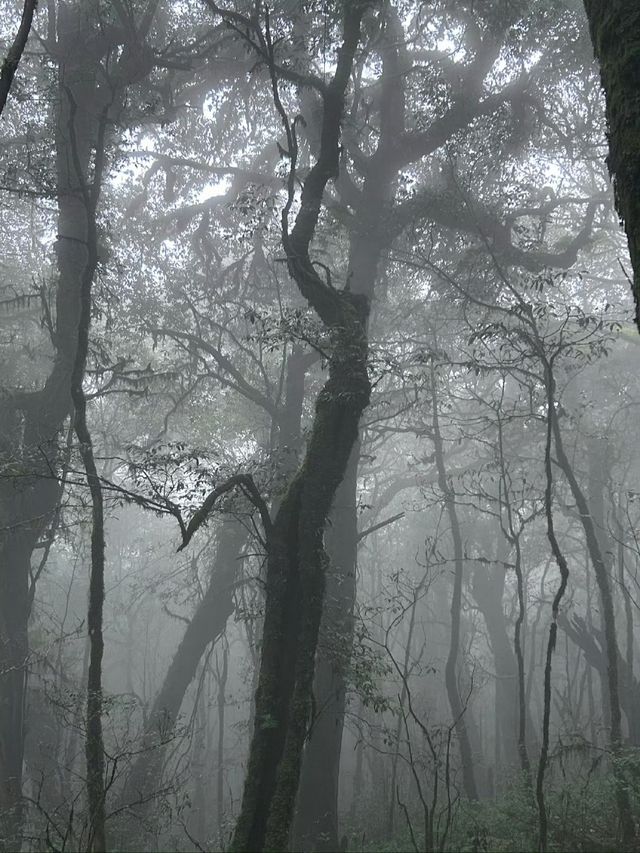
[319, 391]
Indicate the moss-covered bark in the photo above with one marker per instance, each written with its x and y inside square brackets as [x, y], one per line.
[297, 561]
[615, 33]
[294, 597]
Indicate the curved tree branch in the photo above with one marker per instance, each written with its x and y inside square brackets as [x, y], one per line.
[10, 65]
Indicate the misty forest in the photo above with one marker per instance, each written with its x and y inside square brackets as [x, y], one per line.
[319, 406]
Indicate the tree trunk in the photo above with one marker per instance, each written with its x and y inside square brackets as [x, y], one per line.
[297, 562]
[488, 591]
[458, 710]
[600, 568]
[14, 650]
[31, 423]
[222, 704]
[627, 692]
[10, 64]
[614, 27]
[317, 811]
[316, 826]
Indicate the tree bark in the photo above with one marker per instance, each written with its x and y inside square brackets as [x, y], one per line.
[317, 811]
[488, 590]
[10, 64]
[316, 825]
[614, 26]
[222, 704]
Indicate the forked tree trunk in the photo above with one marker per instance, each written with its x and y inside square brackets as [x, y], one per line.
[488, 590]
[297, 562]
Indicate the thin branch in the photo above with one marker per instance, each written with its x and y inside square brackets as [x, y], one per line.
[379, 525]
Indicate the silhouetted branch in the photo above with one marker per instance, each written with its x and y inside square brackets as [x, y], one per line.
[243, 481]
[10, 65]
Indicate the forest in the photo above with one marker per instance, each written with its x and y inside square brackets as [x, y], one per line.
[319, 382]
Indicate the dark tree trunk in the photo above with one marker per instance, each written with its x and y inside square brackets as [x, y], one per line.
[614, 27]
[297, 562]
[317, 811]
[14, 650]
[316, 826]
[627, 691]
[222, 705]
[89, 194]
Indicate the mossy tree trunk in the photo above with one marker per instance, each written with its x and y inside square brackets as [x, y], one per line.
[316, 824]
[296, 564]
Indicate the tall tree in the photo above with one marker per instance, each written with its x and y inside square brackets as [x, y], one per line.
[296, 561]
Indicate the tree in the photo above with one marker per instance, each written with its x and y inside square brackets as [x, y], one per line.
[12, 60]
